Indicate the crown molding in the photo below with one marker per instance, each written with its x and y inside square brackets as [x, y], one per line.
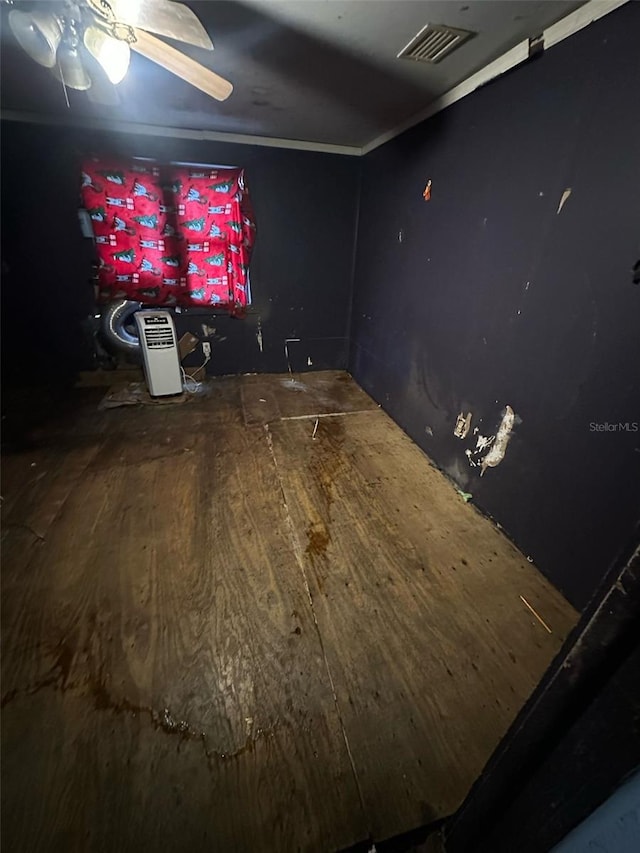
[177, 132]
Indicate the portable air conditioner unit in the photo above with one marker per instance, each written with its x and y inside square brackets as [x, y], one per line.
[159, 352]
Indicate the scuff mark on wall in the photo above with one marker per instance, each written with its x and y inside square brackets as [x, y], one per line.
[259, 336]
[499, 447]
[564, 199]
[463, 425]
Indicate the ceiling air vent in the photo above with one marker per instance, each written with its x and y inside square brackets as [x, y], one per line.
[433, 43]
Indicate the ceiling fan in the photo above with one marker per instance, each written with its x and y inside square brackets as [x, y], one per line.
[81, 41]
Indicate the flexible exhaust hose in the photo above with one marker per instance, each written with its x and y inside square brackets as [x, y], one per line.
[112, 324]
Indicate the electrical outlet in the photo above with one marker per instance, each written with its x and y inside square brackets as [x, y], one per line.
[206, 349]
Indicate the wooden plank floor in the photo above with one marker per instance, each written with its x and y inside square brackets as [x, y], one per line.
[222, 631]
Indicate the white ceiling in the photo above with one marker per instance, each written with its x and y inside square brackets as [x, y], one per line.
[323, 71]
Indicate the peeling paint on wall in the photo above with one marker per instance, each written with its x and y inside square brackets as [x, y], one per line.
[463, 424]
[259, 336]
[499, 447]
[484, 441]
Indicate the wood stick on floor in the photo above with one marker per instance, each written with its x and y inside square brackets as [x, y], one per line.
[538, 617]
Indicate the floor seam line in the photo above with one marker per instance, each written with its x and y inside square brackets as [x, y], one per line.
[295, 544]
[327, 415]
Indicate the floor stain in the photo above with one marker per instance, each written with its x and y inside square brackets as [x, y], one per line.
[94, 685]
[327, 460]
[162, 720]
[63, 654]
[165, 721]
[318, 540]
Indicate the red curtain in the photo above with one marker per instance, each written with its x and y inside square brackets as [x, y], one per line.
[169, 235]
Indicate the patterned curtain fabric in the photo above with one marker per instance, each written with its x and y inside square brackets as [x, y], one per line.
[170, 235]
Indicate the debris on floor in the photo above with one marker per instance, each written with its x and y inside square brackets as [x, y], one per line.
[106, 378]
[537, 615]
[136, 394]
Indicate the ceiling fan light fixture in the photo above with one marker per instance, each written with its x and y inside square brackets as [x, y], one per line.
[38, 34]
[112, 54]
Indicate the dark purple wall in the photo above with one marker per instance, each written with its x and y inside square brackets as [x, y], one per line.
[301, 270]
[492, 298]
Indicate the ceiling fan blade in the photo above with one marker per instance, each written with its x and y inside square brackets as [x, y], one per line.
[112, 54]
[164, 17]
[182, 66]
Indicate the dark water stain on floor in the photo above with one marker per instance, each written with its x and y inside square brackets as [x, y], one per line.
[63, 654]
[318, 540]
[332, 428]
[327, 460]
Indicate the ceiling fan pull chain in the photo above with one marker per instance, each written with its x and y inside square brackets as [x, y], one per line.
[64, 86]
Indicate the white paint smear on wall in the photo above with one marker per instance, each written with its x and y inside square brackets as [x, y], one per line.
[499, 447]
[484, 441]
[564, 199]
